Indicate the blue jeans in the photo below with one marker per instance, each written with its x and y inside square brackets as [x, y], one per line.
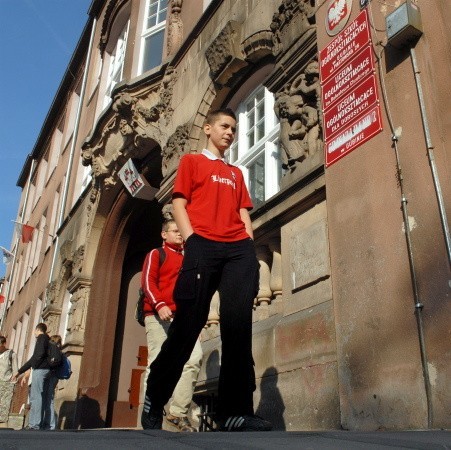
[40, 399]
[53, 415]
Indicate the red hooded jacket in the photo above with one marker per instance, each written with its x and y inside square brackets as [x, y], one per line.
[158, 280]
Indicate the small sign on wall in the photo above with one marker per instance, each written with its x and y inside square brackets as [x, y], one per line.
[134, 183]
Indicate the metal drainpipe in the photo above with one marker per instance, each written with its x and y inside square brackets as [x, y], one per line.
[413, 276]
[72, 153]
[418, 304]
[22, 217]
[431, 157]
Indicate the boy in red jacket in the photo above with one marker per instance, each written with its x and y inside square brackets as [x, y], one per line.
[157, 281]
[210, 203]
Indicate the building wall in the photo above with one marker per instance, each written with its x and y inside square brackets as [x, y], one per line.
[336, 341]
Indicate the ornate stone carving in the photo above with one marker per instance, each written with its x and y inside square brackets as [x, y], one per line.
[78, 257]
[224, 55]
[297, 107]
[57, 288]
[51, 292]
[300, 11]
[167, 212]
[110, 14]
[77, 314]
[175, 28]
[177, 145]
[257, 46]
[166, 89]
[119, 141]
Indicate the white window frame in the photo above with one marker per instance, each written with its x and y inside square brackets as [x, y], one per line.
[116, 64]
[246, 155]
[162, 5]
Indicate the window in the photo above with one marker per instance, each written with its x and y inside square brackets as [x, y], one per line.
[153, 34]
[256, 147]
[116, 67]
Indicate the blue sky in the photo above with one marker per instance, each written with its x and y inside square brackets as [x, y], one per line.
[37, 39]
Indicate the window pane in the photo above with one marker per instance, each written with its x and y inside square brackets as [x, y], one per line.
[162, 16]
[153, 51]
[260, 130]
[260, 110]
[250, 138]
[257, 180]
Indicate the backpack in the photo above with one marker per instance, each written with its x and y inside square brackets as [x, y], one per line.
[54, 355]
[139, 308]
[64, 370]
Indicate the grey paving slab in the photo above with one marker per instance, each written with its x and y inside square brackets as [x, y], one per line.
[164, 440]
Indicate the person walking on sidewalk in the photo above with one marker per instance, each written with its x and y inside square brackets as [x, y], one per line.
[160, 270]
[40, 391]
[8, 367]
[211, 208]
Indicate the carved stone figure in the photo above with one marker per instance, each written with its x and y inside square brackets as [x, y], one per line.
[303, 11]
[77, 314]
[126, 134]
[175, 28]
[225, 53]
[297, 107]
[176, 146]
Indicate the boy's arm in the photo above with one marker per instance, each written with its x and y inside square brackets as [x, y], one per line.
[246, 218]
[181, 217]
[150, 278]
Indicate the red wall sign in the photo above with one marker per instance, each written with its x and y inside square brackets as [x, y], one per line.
[347, 44]
[350, 106]
[355, 134]
[347, 77]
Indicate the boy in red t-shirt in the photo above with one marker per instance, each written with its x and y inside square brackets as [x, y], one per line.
[211, 207]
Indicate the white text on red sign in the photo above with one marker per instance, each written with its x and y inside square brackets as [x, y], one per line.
[347, 77]
[354, 135]
[347, 44]
[350, 106]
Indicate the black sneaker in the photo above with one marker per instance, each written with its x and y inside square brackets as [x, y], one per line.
[244, 423]
[151, 419]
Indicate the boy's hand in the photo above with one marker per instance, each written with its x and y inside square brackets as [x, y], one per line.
[165, 313]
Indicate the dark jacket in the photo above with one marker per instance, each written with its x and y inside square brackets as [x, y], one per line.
[39, 358]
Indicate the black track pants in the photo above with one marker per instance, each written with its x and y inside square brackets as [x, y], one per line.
[208, 266]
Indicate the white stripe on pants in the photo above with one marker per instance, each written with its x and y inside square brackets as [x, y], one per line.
[156, 333]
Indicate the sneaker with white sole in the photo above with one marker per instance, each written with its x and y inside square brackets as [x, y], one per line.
[151, 418]
[244, 423]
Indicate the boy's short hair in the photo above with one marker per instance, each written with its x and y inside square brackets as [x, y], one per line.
[212, 116]
[166, 223]
[2, 340]
[41, 327]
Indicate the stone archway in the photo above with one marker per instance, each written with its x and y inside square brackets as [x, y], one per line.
[95, 380]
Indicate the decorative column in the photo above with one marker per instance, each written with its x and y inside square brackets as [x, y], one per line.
[264, 293]
[211, 329]
[275, 282]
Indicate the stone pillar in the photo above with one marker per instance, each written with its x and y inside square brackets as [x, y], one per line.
[264, 293]
[211, 329]
[213, 315]
[275, 282]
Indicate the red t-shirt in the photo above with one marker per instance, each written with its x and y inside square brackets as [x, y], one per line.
[215, 192]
